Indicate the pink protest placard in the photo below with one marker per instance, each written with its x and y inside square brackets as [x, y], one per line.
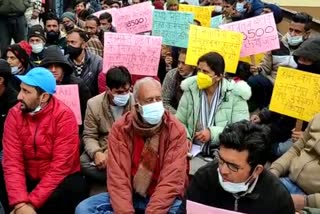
[196, 208]
[134, 19]
[139, 53]
[69, 95]
[260, 34]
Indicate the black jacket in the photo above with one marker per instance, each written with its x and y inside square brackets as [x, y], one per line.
[7, 100]
[91, 70]
[269, 195]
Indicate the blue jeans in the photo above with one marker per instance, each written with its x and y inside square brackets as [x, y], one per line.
[291, 187]
[100, 204]
[280, 148]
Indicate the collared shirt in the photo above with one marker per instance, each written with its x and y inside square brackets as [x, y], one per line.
[95, 46]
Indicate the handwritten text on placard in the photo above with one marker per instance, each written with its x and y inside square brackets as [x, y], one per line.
[139, 53]
[296, 94]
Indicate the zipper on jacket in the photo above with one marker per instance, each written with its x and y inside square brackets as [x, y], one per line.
[34, 141]
[236, 203]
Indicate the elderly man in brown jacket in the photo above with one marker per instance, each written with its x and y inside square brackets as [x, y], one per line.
[301, 164]
[102, 111]
[147, 159]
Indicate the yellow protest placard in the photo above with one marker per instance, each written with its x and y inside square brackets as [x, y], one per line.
[203, 40]
[201, 13]
[295, 3]
[296, 94]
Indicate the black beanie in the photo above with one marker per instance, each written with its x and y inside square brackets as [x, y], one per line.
[37, 31]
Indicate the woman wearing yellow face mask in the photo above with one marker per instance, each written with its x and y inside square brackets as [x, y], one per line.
[210, 102]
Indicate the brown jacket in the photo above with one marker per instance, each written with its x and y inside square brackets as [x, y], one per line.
[173, 150]
[301, 162]
[98, 122]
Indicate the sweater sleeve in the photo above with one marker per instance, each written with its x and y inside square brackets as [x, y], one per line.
[91, 133]
[13, 163]
[168, 91]
[281, 166]
[266, 64]
[182, 112]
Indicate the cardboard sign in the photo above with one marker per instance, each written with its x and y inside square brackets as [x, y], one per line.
[196, 208]
[216, 21]
[260, 34]
[69, 95]
[134, 19]
[139, 53]
[203, 40]
[202, 14]
[172, 26]
[296, 94]
[111, 11]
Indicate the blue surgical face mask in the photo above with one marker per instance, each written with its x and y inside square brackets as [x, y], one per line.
[294, 40]
[152, 113]
[234, 187]
[121, 99]
[15, 69]
[240, 7]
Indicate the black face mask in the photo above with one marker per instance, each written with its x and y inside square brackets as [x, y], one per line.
[53, 36]
[314, 68]
[74, 52]
[68, 27]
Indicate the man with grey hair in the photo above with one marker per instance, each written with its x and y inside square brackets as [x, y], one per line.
[147, 159]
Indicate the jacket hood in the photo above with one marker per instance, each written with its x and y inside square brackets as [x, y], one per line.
[309, 49]
[239, 88]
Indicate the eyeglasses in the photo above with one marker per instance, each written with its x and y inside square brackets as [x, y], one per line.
[231, 166]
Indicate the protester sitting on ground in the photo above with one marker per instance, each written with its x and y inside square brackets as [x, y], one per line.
[171, 89]
[8, 95]
[298, 32]
[62, 72]
[70, 22]
[228, 11]
[172, 5]
[247, 9]
[237, 179]
[37, 40]
[86, 65]
[94, 44]
[103, 110]
[298, 168]
[106, 23]
[18, 57]
[147, 159]
[210, 102]
[53, 34]
[41, 150]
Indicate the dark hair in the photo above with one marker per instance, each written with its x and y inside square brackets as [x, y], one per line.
[254, 138]
[197, 21]
[107, 16]
[182, 51]
[39, 90]
[84, 14]
[231, 2]
[84, 2]
[51, 16]
[83, 35]
[243, 71]
[184, 2]
[118, 77]
[215, 61]
[303, 18]
[93, 18]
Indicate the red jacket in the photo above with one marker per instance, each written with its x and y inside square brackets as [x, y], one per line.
[43, 147]
[173, 149]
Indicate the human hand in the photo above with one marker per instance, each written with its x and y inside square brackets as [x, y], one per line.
[203, 136]
[254, 69]
[168, 60]
[24, 209]
[299, 201]
[255, 119]
[296, 135]
[100, 160]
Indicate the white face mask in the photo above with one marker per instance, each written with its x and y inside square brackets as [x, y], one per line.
[233, 187]
[37, 109]
[294, 40]
[37, 48]
[152, 113]
[218, 9]
[15, 69]
[121, 99]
